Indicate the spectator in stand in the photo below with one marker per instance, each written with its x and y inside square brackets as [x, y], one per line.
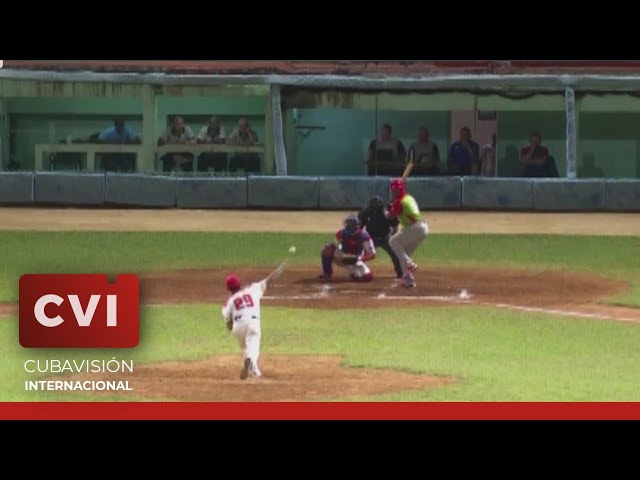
[488, 158]
[386, 149]
[177, 134]
[464, 155]
[244, 135]
[118, 134]
[425, 153]
[535, 159]
[212, 133]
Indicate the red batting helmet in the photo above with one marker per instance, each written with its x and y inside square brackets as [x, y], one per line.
[397, 185]
[233, 282]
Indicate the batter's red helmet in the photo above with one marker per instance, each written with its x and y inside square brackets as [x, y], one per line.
[397, 185]
[233, 282]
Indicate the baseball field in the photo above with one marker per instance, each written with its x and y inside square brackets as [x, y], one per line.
[508, 307]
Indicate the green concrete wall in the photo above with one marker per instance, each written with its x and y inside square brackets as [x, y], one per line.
[610, 142]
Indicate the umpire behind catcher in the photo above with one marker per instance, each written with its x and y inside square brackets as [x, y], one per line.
[380, 228]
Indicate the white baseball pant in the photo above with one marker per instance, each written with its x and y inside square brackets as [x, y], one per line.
[405, 242]
[247, 332]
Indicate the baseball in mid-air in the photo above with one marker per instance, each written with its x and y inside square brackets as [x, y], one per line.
[292, 249]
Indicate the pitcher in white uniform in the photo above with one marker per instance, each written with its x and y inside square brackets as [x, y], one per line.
[241, 313]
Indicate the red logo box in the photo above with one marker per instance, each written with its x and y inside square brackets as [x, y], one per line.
[79, 311]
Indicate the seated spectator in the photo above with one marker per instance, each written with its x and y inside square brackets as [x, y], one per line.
[386, 149]
[212, 133]
[488, 158]
[463, 155]
[425, 154]
[245, 136]
[177, 134]
[589, 169]
[118, 134]
[535, 160]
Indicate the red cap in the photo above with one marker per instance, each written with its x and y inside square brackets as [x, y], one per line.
[233, 282]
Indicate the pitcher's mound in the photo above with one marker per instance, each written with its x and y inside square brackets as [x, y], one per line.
[285, 378]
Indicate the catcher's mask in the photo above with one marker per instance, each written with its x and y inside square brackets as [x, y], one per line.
[376, 202]
[233, 282]
[397, 187]
[352, 223]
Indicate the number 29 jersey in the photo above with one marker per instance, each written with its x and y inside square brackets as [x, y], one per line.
[244, 305]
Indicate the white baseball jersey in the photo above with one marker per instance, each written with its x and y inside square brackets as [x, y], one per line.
[244, 304]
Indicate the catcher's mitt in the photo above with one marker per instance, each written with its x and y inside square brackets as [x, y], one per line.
[348, 259]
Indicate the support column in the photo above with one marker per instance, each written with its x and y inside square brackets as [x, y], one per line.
[149, 117]
[4, 135]
[289, 134]
[279, 150]
[267, 161]
[570, 108]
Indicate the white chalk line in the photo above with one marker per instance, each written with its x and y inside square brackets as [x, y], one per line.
[382, 296]
[557, 311]
[465, 299]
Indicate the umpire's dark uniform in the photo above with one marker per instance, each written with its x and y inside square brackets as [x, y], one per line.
[379, 228]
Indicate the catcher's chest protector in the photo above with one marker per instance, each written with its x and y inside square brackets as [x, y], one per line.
[354, 243]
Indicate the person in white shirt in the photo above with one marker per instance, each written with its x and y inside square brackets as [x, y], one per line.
[241, 314]
[488, 158]
[212, 132]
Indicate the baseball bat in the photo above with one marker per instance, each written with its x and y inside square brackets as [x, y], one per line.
[407, 170]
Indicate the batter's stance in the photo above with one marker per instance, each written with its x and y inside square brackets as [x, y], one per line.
[414, 230]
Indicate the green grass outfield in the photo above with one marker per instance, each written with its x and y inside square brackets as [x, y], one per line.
[497, 355]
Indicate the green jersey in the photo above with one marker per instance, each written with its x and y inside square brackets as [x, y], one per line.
[409, 208]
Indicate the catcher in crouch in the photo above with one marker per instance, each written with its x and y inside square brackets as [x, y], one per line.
[354, 248]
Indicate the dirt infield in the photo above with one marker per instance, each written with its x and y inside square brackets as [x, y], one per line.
[285, 378]
[300, 287]
[556, 292]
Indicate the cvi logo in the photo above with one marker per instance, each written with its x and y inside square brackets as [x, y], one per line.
[79, 311]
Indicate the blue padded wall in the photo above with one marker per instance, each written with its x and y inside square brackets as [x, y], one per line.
[284, 192]
[16, 187]
[141, 190]
[568, 195]
[497, 193]
[351, 192]
[623, 195]
[435, 192]
[69, 188]
[211, 192]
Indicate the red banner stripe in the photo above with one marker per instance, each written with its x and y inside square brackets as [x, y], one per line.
[319, 411]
